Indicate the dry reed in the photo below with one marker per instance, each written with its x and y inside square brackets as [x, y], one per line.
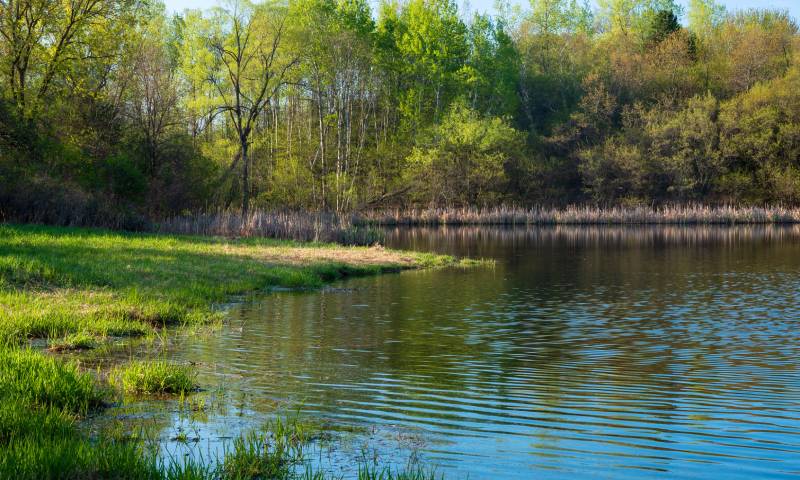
[584, 215]
[285, 225]
[359, 228]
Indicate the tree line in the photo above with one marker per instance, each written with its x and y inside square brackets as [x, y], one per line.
[117, 107]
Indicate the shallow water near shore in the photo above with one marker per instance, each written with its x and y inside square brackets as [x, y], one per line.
[617, 352]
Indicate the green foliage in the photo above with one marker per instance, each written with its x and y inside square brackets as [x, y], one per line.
[432, 43]
[687, 146]
[491, 73]
[635, 19]
[466, 159]
[613, 171]
[122, 115]
[127, 181]
[704, 17]
[663, 24]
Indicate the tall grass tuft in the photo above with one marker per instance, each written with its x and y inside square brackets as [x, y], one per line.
[270, 453]
[154, 377]
[35, 458]
[386, 473]
[38, 381]
[71, 342]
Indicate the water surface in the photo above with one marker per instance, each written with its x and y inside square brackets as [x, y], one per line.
[585, 352]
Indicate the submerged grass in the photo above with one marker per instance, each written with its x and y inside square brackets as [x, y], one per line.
[414, 473]
[74, 341]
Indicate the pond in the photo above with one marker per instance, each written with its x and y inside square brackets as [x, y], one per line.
[613, 352]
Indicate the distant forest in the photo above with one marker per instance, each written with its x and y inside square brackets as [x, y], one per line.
[116, 109]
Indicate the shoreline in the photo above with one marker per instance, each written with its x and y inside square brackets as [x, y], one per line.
[58, 281]
[76, 289]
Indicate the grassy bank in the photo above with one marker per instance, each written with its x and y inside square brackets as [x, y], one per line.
[76, 288]
[72, 285]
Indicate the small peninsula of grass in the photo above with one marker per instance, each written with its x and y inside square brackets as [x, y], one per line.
[70, 284]
[76, 288]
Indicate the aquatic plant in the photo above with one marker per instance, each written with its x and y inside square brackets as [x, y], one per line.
[366, 472]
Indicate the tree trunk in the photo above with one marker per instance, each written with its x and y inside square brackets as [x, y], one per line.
[245, 177]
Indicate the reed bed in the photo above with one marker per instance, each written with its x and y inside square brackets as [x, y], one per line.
[583, 215]
[596, 235]
[326, 227]
[359, 228]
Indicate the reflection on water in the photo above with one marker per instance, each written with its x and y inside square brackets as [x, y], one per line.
[587, 351]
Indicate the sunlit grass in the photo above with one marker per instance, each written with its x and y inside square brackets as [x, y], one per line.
[386, 473]
[154, 377]
[74, 457]
[39, 381]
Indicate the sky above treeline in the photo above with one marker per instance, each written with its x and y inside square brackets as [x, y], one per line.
[793, 6]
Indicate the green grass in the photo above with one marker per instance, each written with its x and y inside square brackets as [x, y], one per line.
[39, 381]
[154, 377]
[18, 421]
[41, 398]
[76, 458]
[254, 456]
[386, 473]
[56, 282]
[73, 341]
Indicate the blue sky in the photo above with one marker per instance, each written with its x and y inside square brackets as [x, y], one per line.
[793, 6]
